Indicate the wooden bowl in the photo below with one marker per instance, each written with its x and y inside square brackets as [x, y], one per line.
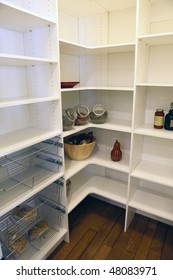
[79, 152]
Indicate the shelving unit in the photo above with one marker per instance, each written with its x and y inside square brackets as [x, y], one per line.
[121, 53]
[30, 110]
[104, 65]
[150, 184]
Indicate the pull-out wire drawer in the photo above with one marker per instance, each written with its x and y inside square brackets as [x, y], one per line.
[31, 166]
[30, 225]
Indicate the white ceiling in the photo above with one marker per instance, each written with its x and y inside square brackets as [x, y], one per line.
[90, 7]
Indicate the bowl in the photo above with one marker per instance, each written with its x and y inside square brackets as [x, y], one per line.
[79, 152]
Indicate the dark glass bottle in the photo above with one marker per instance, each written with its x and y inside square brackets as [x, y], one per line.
[169, 119]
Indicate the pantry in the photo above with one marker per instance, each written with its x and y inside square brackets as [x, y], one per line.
[56, 59]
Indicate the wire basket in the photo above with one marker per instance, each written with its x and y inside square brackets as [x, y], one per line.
[30, 166]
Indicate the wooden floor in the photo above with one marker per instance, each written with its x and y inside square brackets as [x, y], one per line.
[96, 232]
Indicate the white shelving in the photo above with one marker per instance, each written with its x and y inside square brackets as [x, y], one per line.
[156, 205]
[155, 172]
[99, 158]
[85, 183]
[77, 49]
[121, 53]
[30, 107]
[21, 15]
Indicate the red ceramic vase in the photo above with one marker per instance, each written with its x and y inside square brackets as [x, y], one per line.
[116, 153]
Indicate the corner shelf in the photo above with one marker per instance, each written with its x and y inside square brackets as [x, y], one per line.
[84, 184]
[110, 124]
[71, 48]
[78, 88]
[99, 158]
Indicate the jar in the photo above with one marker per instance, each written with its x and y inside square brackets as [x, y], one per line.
[159, 118]
[68, 119]
[82, 115]
[98, 114]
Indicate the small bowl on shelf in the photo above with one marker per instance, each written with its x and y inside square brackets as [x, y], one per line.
[68, 84]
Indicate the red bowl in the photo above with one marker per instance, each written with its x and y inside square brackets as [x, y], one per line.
[68, 84]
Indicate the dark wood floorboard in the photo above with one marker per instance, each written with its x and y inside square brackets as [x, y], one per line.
[97, 232]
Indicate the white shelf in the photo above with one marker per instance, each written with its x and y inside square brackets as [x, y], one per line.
[18, 19]
[157, 39]
[153, 85]
[6, 102]
[94, 7]
[156, 172]
[99, 158]
[77, 88]
[22, 192]
[13, 141]
[153, 204]
[110, 124]
[16, 60]
[70, 48]
[84, 184]
[147, 129]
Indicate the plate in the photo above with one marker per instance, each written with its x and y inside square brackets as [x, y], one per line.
[68, 84]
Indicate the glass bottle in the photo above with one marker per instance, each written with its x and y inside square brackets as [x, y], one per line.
[159, 118]
[169, 119]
